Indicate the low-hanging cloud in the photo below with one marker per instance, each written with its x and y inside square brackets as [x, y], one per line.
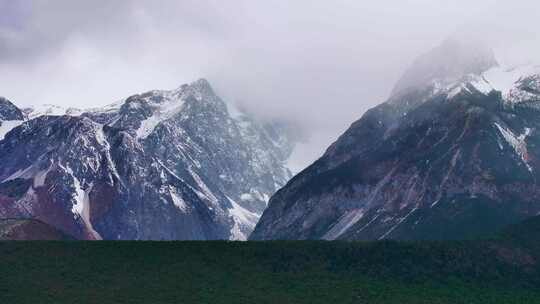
[320, 64]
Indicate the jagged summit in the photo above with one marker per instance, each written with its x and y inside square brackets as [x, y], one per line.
[200, 86]
[165, 164]
[199, 89]
[140, 113]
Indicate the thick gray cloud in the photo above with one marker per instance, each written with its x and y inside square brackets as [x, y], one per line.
[318, 63]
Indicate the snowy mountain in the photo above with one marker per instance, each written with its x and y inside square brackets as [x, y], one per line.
[51, 110]
[453, 153]
[179, 164]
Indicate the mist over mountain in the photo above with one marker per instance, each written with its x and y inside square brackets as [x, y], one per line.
[452, 154]
[319, 65]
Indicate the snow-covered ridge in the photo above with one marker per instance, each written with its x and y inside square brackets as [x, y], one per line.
[506, 80]
[50, 109]
[164, 104]
[454, 58]
[462, 65]
[516, 84]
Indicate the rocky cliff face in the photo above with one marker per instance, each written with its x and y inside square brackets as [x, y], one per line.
[452, 154]
[178, 164]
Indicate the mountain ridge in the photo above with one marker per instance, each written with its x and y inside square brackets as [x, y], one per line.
[159, 165]
[428, 163]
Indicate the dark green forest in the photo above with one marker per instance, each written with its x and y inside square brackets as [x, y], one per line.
[503, 269]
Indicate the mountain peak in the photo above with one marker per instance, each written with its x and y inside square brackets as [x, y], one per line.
[200, 86]
[164, 164]
[202, 83]
[455, 58]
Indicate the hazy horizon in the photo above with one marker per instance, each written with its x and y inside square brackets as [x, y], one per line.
[318, 64]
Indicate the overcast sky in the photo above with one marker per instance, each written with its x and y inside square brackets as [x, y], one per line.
[318, 63]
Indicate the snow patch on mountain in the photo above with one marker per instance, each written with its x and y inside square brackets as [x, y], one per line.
[503, 79]
[246, 196]
[39, 178]
[516, 83]
[78, 195]
[243, 220]
[81, 204]
[453, 92]
[8, 125]
[170, 105]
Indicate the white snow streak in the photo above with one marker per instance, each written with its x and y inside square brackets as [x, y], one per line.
[23, 173]
[399, 222]
[39, 178]
[177, 200]
[78, 196]
[202, 186]
[517, 143]
[243, 220]
[344, 223]
[351, 219]
[81, 206]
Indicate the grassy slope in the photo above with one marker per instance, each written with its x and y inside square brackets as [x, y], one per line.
[271, 272]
